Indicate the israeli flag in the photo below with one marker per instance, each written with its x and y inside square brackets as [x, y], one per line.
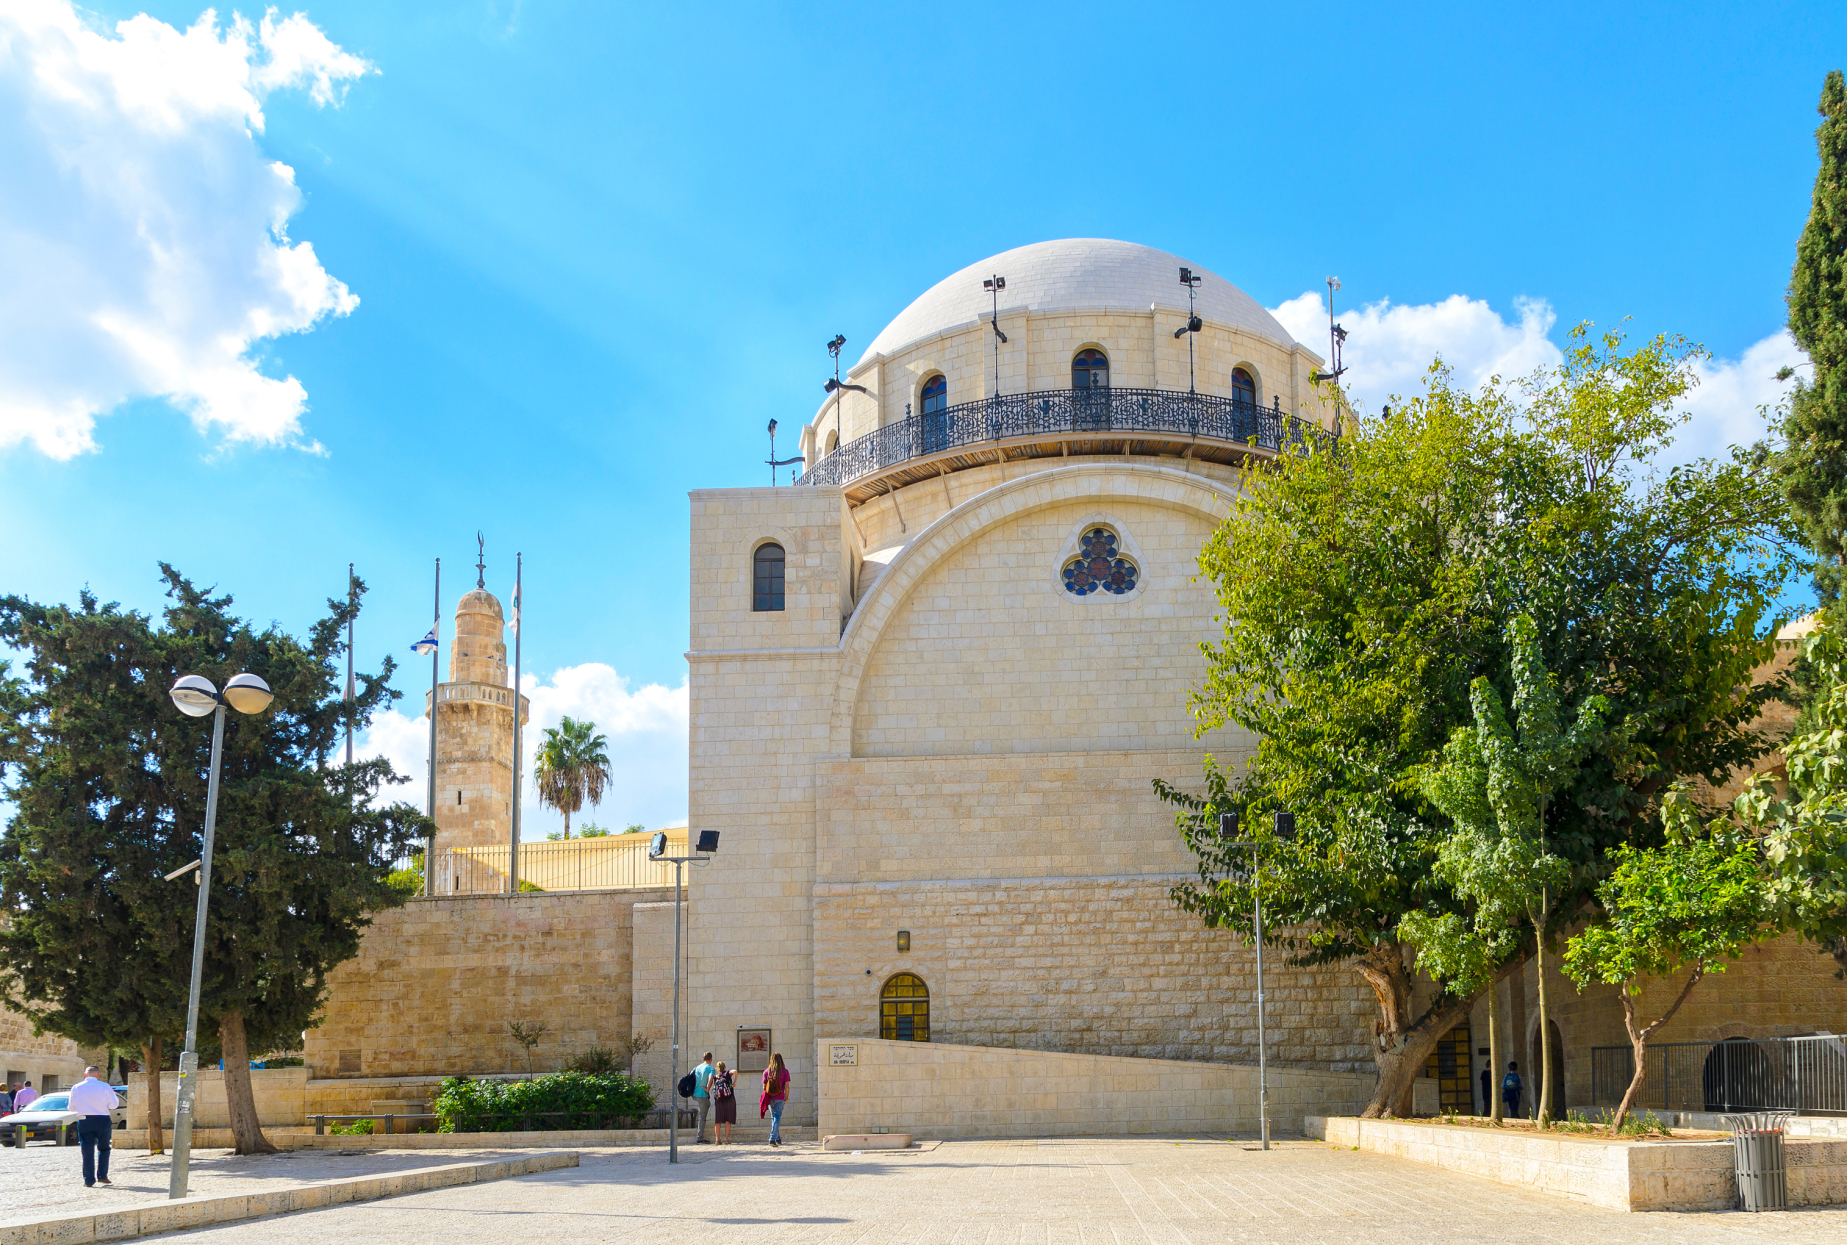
[425, 646]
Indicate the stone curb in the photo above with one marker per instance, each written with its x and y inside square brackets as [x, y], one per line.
[199, 1212]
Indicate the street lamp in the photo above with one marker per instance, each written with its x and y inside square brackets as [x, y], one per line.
[1284, 832]
[705, 848]
[195, 697]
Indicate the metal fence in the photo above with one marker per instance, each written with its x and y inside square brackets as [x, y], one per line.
[1806, 1074]
[617, 862]
[1053, 411]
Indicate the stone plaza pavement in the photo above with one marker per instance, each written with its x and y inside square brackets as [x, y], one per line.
[1084, 1191]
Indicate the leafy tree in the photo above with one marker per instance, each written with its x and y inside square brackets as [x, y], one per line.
[1694, 902]
[1804, 834]
[109, 784]
[1364, 591]
[573, 767]
[1813, 463]
[1493, 784]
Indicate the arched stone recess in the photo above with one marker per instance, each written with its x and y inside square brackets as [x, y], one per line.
[1098, 487]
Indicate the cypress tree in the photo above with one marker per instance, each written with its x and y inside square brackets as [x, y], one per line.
[109, 783]
[1814, 460]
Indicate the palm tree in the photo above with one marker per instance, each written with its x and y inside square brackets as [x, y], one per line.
[573, 767]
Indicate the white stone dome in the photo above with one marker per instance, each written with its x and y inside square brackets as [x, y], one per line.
[1073, 274]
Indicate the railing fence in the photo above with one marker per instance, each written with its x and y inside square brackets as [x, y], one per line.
[617, 862]
[1806, 1074]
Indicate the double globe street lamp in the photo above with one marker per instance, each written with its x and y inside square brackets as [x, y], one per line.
[196, 697]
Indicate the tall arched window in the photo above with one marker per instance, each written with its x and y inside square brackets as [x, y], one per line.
[1090, 370]
[1243, 386]
[904, 1009]
[767, 564]
[935, 394]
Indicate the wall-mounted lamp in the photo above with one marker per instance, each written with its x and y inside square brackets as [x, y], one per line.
[904, 940]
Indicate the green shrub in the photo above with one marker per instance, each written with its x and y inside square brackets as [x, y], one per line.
[560, 1100]
[358, 1128]
[597, 1061]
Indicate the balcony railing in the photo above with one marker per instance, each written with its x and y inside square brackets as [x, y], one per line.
[1805, 1074]
[614, 862]
[1054, 412]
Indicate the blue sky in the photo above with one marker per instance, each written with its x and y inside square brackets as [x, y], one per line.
[596, 247]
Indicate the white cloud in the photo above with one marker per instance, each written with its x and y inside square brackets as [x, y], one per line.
[646, 728]
[1390, 346]
[143, 233]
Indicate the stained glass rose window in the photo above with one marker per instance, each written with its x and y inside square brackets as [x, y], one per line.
[1099, 566]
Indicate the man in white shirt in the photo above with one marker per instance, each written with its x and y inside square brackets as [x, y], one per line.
[94, 1100]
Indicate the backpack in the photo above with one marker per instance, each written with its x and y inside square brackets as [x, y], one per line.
[1511, 1083]
[721, 1086]
[686, 1086]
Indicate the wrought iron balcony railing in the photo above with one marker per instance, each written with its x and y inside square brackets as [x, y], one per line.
[1053, 412]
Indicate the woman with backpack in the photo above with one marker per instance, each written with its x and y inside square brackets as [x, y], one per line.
[723, 1088]
[775, 1097]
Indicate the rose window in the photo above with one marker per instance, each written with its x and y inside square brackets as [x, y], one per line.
[1099, 566]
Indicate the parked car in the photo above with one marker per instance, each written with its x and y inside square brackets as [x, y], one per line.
[48, 1116]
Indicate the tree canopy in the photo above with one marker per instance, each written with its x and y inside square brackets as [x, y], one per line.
[573, 767]
[1364, 591]
[109, 784]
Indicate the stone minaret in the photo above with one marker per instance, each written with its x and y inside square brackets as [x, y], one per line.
[474, 732]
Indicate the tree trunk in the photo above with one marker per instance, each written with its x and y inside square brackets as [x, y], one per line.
[150, 1063]
[1638, 1041]
[1494, 1052]
[1401, 1045]
[1837, 948]
[246, 1132]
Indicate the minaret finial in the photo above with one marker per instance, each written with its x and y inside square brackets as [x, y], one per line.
[480, 561]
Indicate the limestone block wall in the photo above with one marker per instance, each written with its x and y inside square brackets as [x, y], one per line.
[1104, 966]
[44, 1059]
[436, 983]
[281, 1097]
[938, 1090]
[727, 527]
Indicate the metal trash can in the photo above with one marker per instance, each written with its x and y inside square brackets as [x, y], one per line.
[1757, 1149]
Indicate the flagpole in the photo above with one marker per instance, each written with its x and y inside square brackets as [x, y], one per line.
[349, 663]
[429, 844]
[519, 572]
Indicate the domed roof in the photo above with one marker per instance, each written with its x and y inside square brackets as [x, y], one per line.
[1073, 274]
[479, 601]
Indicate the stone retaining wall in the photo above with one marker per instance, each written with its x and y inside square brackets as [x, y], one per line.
[1617, 1175]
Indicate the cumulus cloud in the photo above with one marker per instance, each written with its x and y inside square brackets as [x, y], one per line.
[646, 727]
[1389, 346]
[143, 233]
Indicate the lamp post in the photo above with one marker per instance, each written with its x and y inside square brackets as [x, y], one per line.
[1284, 832]
[657, 850]
[195, 697]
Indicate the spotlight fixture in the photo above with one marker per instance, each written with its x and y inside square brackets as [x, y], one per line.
[708, 841]
[774, 462]
[994, 285]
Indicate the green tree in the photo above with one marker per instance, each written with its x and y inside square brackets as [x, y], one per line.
[1692, 903]
[109, 779]
[573, 768]
[1364, 591]
[1493, 784]
[1813, 463]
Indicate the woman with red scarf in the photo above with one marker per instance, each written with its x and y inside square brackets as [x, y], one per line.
[775, 1097]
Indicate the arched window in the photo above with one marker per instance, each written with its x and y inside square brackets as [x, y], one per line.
[935, 394]
[1100, 566]
[904, 1009]
[1243, 386]
[833, 440]
[1090, 370]
[767, 564]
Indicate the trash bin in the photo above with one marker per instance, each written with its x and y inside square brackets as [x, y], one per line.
[1757, 1149]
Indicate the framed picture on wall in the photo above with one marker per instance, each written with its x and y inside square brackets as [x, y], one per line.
[753, 1050]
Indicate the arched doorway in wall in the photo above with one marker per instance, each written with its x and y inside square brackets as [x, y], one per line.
[904, 1009]
[1738, 1075]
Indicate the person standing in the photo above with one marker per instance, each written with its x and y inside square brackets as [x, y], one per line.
[95, 1102]
[724, 1104]
[1487, 1090]
[6, 1099]
[702, 1097]
[1511, 1085]
[23, 1096]
[775, 1096]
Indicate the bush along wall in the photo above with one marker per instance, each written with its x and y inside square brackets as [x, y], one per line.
[562, 1100]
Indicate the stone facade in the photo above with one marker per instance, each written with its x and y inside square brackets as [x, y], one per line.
[474, 730]
[48, 1061]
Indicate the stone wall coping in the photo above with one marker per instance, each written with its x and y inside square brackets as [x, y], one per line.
[865, 888]
[198, 1212]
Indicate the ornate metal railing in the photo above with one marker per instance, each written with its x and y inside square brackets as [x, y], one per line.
[1806, 1074]
[1056, 411]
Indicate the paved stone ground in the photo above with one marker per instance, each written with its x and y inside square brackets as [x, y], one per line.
[46, 1180]
[1085, 1192]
